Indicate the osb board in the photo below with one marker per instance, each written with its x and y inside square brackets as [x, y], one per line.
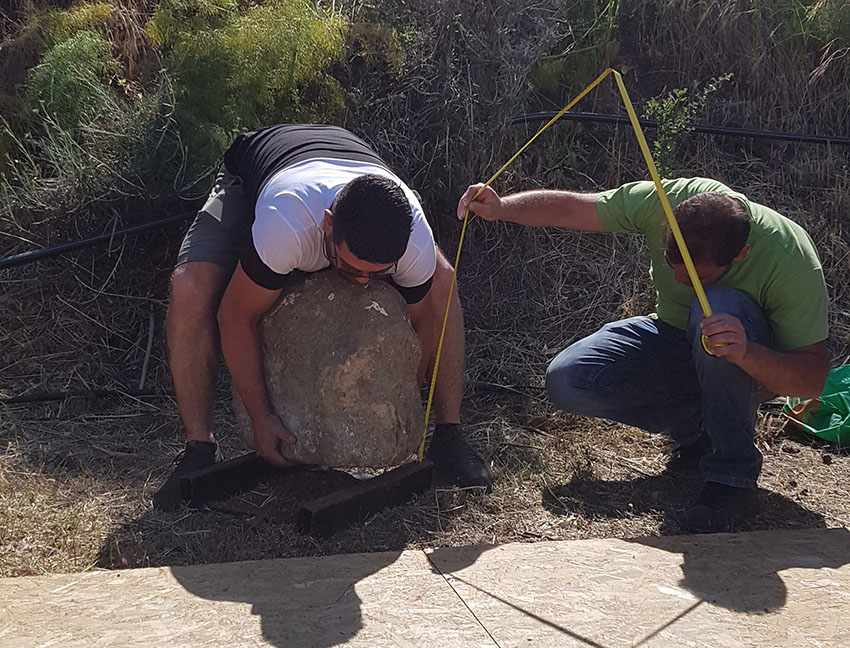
[779, 588]
[773, 588]
[376, 600]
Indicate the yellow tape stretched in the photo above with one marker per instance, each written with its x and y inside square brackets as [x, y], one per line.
[662, 195]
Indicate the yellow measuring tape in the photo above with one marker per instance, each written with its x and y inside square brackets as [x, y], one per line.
[662, 195]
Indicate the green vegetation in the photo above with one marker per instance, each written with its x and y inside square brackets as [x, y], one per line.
[120, 110]
[71, 84]
[235, 71]
[675, 115]
[589, 46]
[175, 18]
[57, 25]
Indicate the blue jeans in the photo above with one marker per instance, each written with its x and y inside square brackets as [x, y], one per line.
[648, 374]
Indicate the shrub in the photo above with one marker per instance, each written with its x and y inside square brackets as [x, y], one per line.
[57, 25]
[266, 66]
[589, 46]
[131, 151]
[70, 85]
[175, 19]
[373, 49]
[827, 21]
[675, 115]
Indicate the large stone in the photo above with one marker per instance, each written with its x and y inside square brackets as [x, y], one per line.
[341, 363]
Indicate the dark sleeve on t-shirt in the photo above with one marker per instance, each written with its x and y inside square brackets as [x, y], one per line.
[259, 272]
[414, 294]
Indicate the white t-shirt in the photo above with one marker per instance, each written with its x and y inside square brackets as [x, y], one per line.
[287, 229]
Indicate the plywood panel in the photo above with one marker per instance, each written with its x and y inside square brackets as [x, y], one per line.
[784, 588]
[375, 600]
[781, 588]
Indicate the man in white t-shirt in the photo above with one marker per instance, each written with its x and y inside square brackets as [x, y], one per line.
[304, 198]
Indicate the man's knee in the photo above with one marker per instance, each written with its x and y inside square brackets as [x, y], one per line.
[567, 383]
[736, 303]
[196, 290]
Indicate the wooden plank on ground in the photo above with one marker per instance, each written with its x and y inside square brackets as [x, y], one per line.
[325, 515]
[219, 481]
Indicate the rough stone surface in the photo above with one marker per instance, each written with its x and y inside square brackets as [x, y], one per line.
[341, 364]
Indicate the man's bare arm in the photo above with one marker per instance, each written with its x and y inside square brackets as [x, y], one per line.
[797, 372]
[243, 305]
[540, 208]
[801, 372]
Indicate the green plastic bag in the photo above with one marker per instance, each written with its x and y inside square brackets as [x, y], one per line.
[827, 416]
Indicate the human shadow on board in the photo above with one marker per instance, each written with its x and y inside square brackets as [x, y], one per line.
[736, 572]
[323, 601]
[237, 550]
[742, 572]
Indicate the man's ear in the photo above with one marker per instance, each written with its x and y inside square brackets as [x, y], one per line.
[327, 222]
[743, 253]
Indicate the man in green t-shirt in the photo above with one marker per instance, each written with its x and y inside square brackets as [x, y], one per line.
[766, 337]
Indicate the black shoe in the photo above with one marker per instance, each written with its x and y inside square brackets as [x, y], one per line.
[718, 509]
[456, 460]
[196, 455]
[685, 459]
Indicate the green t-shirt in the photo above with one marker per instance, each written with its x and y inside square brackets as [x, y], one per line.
[782, 271]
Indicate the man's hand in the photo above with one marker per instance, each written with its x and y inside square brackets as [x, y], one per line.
[270, 438]
[726, 337]
[488, 205]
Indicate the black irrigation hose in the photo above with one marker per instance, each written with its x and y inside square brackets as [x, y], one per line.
[711, 130]
[48, 397]
[62, 248]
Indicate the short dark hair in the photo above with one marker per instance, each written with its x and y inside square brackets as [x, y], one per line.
[373, 216]
[715, 228]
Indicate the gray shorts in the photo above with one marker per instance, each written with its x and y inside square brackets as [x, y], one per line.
[221, 226]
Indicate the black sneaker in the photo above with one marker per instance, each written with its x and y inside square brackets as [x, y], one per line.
[196, 455]
[718, 508]
[685, 459]
[456, 460]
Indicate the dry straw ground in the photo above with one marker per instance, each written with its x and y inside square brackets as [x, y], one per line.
[76, 476]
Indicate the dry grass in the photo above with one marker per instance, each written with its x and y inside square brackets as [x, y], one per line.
[76, 477]
[49, 524]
